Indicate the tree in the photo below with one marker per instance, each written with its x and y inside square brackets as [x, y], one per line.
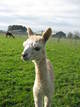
[70, 35]
[59, 35]
[76, 35]
[17, 29]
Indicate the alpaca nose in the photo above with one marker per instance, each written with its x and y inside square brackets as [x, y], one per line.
[25, 55]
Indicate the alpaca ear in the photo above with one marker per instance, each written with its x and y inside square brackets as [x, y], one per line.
[47, 34]
[29, 31]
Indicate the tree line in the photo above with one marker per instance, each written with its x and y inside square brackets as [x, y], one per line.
[70, 35]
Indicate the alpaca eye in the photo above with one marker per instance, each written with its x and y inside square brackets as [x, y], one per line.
[37, 48]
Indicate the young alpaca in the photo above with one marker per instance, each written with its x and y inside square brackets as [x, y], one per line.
[34, 49]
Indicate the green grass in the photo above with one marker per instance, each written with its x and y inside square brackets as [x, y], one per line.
[17, 77]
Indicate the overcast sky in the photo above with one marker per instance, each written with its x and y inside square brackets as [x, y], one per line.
[40, 14]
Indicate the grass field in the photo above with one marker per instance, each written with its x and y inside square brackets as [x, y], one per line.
[17, 77]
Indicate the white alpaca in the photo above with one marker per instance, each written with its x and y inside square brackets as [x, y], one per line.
[34, 49]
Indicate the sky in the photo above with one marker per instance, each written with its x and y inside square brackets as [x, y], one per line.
[60, 15]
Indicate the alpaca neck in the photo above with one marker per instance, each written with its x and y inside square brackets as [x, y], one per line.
[41, 69]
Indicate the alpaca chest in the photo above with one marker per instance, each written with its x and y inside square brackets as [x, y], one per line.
[42, 86]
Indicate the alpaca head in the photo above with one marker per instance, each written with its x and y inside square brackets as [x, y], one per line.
[34, 46]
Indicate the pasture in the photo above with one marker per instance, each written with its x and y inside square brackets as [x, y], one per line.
[17, 77]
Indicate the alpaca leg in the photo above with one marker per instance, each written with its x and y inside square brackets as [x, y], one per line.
[47, 101]
[37, 97]
[38, 101]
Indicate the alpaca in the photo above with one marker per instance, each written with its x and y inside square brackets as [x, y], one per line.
[9, 34]
[34, 49]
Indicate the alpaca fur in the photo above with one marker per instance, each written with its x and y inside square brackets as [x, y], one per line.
[34, 49]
